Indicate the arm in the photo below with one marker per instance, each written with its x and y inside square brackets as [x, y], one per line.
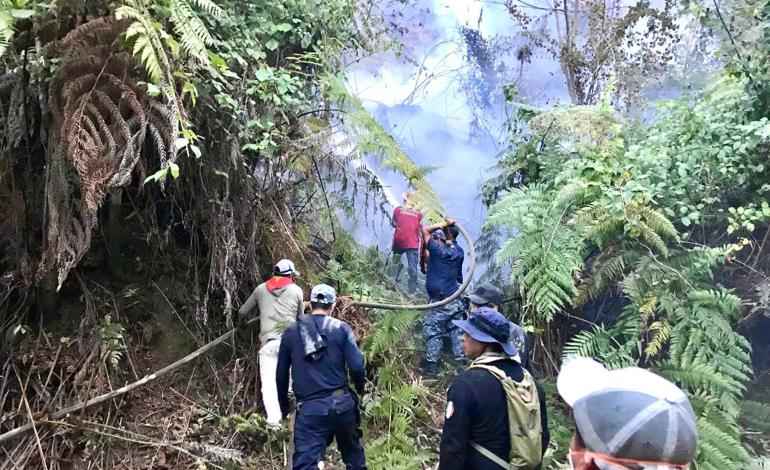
[543, 417]
[282, 373]
[426, 231]
[354, 360]
[247, 306]
[393, 219]
[300, 302]
[455, 436]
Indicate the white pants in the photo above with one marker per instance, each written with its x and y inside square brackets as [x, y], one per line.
[268, 363]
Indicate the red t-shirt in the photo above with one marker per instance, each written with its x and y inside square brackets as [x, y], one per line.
[408, 227]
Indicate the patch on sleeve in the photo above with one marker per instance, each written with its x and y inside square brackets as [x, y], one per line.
[450, 410]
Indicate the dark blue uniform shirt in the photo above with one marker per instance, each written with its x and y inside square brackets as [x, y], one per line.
[476, 411]
[445, 269]
[319, 378]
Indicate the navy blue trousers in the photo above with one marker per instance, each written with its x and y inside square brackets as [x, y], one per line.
[320, 421]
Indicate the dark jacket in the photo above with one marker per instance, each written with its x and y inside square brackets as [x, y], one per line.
[477, 411]
[321, 375]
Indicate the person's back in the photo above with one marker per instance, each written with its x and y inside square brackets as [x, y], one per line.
[478, 414]
[329, 372]
[477, 434]
[279, 305]
[279, 301]
[406, 241]
[445, 264]
[320, 352]
[408, 225]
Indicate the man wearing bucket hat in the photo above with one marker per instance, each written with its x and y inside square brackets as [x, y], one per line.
[320, 351]
[626, 419]
[477, 433]
[444, 276]
[279, 301]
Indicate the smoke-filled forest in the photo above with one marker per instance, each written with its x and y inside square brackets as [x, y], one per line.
[159, 157]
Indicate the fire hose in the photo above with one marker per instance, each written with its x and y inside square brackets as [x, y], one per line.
[466, 282]
[64, 412]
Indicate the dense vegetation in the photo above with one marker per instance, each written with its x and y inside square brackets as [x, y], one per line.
[158, 156]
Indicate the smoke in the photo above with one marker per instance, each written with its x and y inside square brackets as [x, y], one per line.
[429, 99]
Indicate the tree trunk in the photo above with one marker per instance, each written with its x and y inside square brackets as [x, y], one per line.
[115, 235]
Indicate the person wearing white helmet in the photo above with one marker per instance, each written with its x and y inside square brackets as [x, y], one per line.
[279, 301]
[626, 419]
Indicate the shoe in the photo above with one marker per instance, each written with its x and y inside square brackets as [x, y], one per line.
[274, 426]
[430, 370]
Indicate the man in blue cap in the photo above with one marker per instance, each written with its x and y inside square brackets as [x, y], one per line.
[321, 351]
[477, 434]
[443, 277]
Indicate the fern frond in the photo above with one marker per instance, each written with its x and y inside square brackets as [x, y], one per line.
[193, 34]
[208, 6]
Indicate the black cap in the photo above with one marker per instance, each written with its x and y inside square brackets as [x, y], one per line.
[487, 294]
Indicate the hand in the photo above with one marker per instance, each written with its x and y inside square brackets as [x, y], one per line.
[450, 221]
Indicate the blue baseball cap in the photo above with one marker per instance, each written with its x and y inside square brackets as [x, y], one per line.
[489, 326]
[323, 294]
[438, 234]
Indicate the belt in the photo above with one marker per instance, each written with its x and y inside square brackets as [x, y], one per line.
[335, 393]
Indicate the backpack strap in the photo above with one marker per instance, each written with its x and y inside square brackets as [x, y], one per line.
[490, 455]
[497, 372]
[499, 375]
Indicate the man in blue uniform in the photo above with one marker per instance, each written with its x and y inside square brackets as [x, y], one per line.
[443, 277]
[321, 351]
[476, 432]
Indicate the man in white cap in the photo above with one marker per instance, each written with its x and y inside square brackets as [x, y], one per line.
[321, 352]
[279, 301]
[626, 419]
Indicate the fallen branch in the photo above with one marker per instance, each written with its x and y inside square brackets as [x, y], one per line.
[127, 388]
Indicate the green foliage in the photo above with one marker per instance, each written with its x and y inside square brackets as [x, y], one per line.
[389, 332]
[371, 138]
[254, 425]
[546, 252]
[756, 415]
[594, 218]
[111, 345]
[10, 12]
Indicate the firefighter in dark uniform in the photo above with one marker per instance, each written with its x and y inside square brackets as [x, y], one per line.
[476, 424]
[321, 351]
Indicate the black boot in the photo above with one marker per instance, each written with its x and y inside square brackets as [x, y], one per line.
[429, 369]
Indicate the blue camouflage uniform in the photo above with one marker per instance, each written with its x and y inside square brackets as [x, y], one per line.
[321, 351]
[444, 276]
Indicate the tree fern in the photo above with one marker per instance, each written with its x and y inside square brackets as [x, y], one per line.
[371, 138]
[544, 252]
[192, 32]
[389, 332]
[6, 25]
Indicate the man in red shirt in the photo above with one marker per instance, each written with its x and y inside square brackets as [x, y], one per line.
[406, 240]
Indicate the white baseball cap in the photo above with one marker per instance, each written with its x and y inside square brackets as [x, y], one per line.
[285, 267]
[629, 413]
